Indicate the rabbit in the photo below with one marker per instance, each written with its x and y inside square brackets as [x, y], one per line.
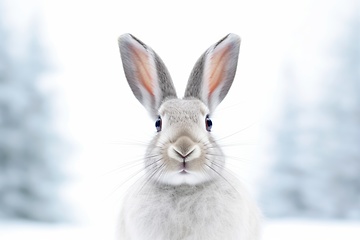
[186, 192]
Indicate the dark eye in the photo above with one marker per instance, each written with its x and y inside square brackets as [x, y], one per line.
[158, 124]
[208, 123]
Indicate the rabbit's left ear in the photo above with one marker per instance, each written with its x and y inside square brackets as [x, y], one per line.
[214, 72]
[146, 73]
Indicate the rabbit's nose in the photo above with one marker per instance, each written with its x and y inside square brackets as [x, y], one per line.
[181, 154]
[184, 149]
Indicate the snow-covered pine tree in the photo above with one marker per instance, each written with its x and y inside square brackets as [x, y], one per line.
[29, 162]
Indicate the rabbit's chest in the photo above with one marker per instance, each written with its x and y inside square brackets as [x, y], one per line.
[191, 215]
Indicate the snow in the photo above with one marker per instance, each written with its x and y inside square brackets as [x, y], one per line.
[43, 231]
[311, 230]
[293, 229]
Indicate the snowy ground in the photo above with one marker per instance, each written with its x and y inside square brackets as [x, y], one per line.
[274, 230]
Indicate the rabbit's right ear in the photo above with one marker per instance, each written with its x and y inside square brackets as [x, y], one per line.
[146, 74]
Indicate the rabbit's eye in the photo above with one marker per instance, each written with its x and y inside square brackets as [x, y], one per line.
[208, 123]
[158, 124]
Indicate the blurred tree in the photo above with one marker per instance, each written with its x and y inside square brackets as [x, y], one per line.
[279, 197]
[317, 147]
[340, 154]
[29, 161]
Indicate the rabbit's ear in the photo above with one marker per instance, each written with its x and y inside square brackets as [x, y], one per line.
[214, 72]
[146, 74]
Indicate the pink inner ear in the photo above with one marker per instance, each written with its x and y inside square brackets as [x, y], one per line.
[218, 65]
[143, 68]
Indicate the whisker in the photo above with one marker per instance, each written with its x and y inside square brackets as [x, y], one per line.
[162, 144]
[238, 144]
[224, 169]
[149, 177]
[158, 172]
[226, 108]
[131, 164]
[125, 166]
[234, 133]
[127, 180]
[208, 144]
[213, 169]
[233, 174]
[205, 172]
[225, 156]
[162, 173]
[134, 175]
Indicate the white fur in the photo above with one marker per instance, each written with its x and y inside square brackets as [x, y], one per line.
[201, 204]
[185, 193]
[212, 211]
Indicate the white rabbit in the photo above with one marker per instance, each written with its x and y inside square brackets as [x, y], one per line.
[185, 193]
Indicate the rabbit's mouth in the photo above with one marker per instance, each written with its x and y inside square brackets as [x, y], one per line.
[187, 167]
[184, 176]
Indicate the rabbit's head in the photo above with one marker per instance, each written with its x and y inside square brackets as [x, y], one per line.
[183, 150]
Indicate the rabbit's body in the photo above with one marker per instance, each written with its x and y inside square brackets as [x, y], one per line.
[212, 211]
[185, 193]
